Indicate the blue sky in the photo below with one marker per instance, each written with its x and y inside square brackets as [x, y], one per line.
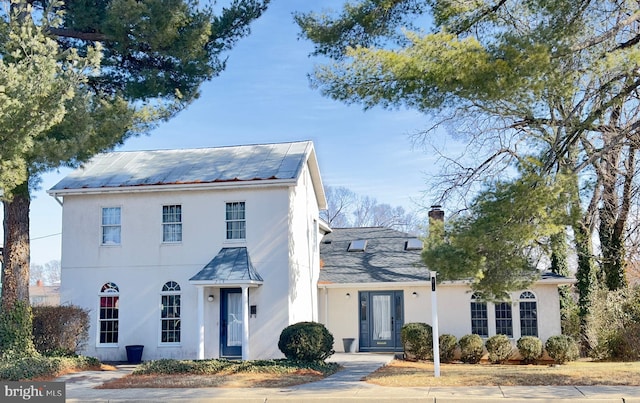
[264, 96]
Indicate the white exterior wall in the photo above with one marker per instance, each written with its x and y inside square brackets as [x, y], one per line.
[304, 251]
[340, 314]
[141, 264]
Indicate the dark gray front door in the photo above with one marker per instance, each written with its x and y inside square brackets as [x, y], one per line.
[231, 322]
[381, 319]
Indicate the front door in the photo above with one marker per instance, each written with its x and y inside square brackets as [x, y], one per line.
[381, 319]
[231, 322]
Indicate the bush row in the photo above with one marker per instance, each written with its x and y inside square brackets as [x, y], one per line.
[417, 339]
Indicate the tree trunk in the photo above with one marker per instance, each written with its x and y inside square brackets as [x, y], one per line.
[15, 270]
[582, 224]
[614, 214]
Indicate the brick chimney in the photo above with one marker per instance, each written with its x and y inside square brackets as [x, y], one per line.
[436, 213]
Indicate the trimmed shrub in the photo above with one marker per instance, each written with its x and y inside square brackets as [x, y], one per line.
[417, 341]
[60, 330]
[306, 341]
[471, 348]
[499, 348]
[530, 348]
[562, 348]
[447, 344]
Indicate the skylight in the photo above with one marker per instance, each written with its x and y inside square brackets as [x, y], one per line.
[357, 246]
[413, 244]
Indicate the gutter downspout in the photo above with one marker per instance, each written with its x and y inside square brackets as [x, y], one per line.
[326, 307]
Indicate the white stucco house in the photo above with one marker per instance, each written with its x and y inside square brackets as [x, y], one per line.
[207, 253]
[193, 253]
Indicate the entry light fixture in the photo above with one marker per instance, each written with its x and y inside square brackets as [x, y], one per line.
[415, 294]
[210, 298]
[347, 296]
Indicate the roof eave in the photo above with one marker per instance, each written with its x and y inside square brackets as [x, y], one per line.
[226, 283]
[316, 179]
[558, 281]
[174, 187]
[380, 284]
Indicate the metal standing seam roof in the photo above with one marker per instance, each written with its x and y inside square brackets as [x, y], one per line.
[189, 166]
[229, 266]
[384, 258]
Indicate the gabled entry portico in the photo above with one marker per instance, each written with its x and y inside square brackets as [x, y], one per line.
[231, 271]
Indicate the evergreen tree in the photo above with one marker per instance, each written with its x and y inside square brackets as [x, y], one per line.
[556, 80]
[83, 76]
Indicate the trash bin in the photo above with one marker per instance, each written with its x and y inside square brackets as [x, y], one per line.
[349, 345]
[134, 354]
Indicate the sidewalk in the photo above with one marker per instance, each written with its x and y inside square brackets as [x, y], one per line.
[342, 386]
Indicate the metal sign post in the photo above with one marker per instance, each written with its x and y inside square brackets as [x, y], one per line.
[434, 326]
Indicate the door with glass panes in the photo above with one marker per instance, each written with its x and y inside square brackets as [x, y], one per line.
[231, 322]
[381, 318]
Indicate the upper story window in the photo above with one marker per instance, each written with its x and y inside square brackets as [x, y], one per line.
[172, 223]
[109, 313]
[236, 223]
[111, 225]
[528, 314]
[479, 318]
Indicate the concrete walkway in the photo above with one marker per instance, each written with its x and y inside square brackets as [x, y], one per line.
[345, 385]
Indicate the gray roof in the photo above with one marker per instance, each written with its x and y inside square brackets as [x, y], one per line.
[383, 260]
[229, 266]
[190, 166]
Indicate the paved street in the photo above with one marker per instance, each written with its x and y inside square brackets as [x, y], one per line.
[343, 386]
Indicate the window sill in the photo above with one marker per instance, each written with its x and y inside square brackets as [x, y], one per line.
[235, 242]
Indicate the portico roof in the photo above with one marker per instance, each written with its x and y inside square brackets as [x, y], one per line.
[230, 267]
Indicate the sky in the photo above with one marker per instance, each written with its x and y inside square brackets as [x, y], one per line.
[264, 96]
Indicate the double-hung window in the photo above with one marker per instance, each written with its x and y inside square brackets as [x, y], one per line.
[504, 321]
[235, 219]
[108, 318]
[170, 313]
[111, 225]
[528, 314]
[172, 223]
[479, 317]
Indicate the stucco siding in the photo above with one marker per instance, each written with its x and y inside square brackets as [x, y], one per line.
[340, 313]
[303, 251]
[142, 263]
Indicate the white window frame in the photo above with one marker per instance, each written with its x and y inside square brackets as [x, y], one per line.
[233, 220]
[167, 226]
[108, 290]
[171, 288]
[511, 318]
[528, 297]
[110, 225]
[475, 299]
